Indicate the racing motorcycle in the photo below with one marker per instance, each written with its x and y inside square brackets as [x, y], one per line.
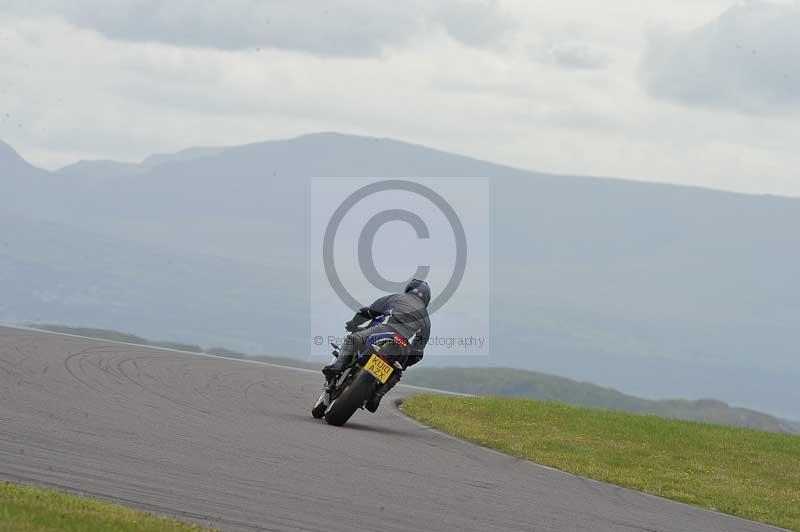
[381, 360]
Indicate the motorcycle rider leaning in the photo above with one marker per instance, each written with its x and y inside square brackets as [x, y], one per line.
[404, 314]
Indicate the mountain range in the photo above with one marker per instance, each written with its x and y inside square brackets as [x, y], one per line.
[655, 290]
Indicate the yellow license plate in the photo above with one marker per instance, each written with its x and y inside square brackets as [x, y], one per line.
[379, 368]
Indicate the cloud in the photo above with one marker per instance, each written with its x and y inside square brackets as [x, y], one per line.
[574, 55]
[332, 28]
[476, 24]
[748, 60]
[129, 98]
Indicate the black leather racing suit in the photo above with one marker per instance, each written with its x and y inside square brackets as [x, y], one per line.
[404, 314]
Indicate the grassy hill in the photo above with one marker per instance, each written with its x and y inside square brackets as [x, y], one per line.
[544, 387]
[746, 473]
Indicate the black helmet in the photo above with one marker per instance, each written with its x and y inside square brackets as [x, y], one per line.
[420, 289]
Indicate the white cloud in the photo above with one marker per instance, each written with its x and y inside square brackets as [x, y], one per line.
[474, 23]
[748, 59]
[72, 93]
[334, 27]
[577, 55]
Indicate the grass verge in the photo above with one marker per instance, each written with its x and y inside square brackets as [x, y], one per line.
[26, 509]
[741, 472]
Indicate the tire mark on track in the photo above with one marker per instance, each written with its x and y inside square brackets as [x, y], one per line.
[176, 402]
[68, 365]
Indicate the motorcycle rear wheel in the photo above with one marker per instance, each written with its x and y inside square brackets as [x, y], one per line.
[351, 399]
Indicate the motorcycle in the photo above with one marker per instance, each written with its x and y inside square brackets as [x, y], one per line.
[381, 360]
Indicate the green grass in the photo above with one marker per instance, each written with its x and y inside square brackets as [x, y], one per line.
[25, 509]
[508, 382]
[747, 473]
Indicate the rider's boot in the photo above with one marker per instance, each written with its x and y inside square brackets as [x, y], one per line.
[344, 359]
[372, 404]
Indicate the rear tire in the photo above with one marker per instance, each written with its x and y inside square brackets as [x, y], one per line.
[351, 399]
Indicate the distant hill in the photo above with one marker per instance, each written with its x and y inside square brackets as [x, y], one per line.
[117, 336]
[57, 273]
[519, 383]
[655, 290]
[14, 166]
[106, 170]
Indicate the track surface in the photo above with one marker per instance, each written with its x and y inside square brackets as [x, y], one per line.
[232, 444]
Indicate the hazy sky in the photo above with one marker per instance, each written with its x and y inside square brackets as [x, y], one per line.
[702, 92]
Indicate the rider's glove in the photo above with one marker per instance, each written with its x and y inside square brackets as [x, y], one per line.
[362, 316]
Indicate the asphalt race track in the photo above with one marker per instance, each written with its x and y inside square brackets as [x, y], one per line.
[232, 444]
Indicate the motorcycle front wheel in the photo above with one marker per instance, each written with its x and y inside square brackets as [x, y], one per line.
[319, 407]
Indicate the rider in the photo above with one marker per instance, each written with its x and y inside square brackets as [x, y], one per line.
[403, 314]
